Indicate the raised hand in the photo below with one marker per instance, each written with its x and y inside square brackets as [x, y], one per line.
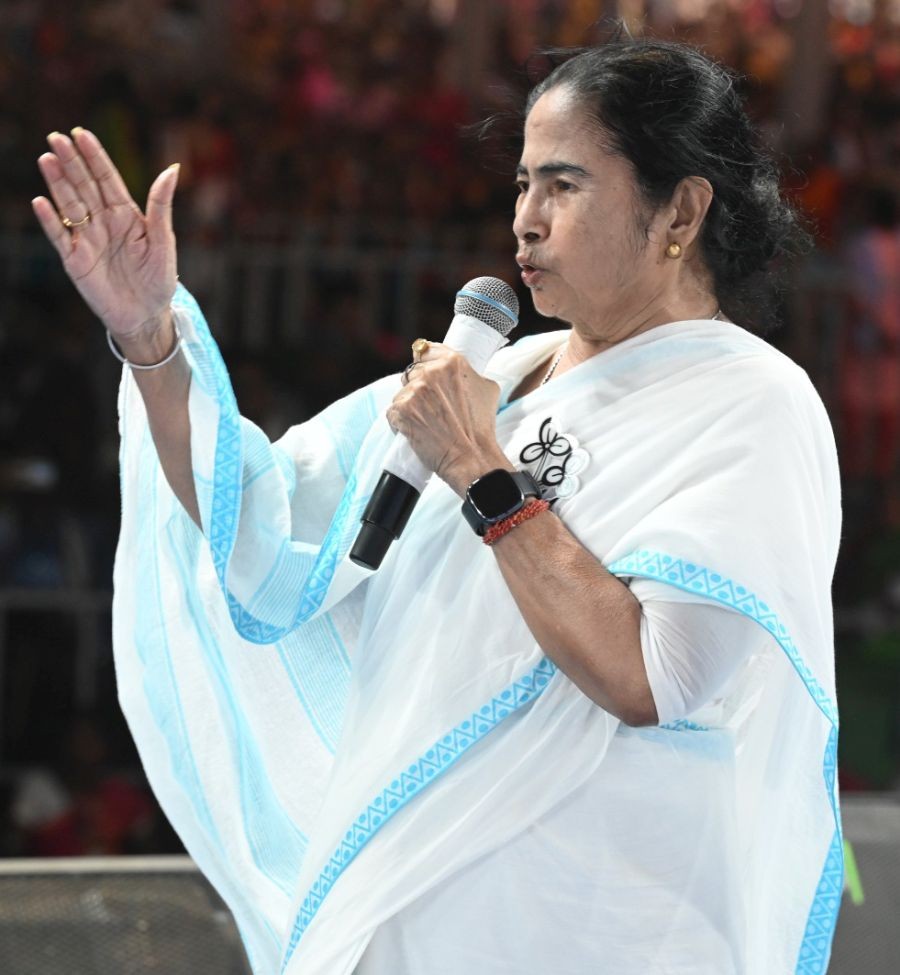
[121, 260]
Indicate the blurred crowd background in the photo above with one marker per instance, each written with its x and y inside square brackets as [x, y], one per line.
[331, 201]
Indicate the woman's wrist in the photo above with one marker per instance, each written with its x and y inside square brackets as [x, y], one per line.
[151, 342]
[475, 465]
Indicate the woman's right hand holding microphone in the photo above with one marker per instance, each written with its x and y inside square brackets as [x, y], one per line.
[121, 260]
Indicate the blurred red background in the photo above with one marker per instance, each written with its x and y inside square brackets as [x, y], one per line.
[330, 204]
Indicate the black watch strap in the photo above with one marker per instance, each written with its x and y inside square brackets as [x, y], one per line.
[497, 495]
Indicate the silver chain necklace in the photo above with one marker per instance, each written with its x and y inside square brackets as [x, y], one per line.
[556, 362]
[565, 346]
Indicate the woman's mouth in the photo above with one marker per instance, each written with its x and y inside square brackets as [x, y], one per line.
[531, 275]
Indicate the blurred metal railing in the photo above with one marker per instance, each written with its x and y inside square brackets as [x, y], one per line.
[89, 609]
[259, 292]
[282, 281]
[92, 916]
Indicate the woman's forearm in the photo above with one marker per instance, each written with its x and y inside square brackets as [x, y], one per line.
[586, 620]
[165, 394]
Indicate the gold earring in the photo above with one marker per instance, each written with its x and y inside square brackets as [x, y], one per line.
[674, 250]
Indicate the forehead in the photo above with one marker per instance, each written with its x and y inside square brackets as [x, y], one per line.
[558, 127]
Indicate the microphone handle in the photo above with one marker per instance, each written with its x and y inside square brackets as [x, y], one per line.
[404, 476]
[476, 341]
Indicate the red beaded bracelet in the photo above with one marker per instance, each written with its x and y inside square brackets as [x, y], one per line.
[534, 507]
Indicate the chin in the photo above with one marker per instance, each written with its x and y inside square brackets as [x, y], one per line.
[552, 301]
[545, 308]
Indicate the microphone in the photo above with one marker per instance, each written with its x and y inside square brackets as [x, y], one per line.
[486, 310]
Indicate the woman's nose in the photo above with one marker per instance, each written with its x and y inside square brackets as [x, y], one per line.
[528, 225]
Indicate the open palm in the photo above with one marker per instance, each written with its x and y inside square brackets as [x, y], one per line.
[121, 260]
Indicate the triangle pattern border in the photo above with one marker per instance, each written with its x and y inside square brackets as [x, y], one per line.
[227, 492]
[409, 783]
[815, 948]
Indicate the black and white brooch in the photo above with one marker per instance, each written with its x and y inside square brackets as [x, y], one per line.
[555, 460]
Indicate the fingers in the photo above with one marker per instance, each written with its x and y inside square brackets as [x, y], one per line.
[438, 357]
[392, 417]
[53, 226]
[435, 352]
[423, 350]
[402, 411]
[75, 170]
[159, 204]
[67, 201]
[110, 184]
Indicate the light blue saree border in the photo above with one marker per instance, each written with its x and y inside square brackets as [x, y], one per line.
[225, 509]
[276, 845]
[411, 782]
[166, 710]
[227, 492]
[159, 685]
[815, 948]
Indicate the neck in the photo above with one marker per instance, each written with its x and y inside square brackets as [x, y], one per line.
[586, 341]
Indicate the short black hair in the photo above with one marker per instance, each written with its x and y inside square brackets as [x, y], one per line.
[673, 112]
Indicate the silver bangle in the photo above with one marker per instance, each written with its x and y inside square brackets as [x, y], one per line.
[153, 365]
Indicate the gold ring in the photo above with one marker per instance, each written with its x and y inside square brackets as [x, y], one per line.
[72, 224]
[420, 347]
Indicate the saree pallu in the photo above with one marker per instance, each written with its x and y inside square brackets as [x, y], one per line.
[331, 743]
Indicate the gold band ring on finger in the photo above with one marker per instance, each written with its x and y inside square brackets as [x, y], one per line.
[420, 347]
[73, 224]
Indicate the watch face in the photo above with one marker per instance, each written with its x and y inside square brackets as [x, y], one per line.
[495, 496]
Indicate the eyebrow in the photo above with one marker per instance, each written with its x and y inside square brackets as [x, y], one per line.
[555, 169]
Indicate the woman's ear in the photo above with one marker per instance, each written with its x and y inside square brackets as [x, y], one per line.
[689, 205]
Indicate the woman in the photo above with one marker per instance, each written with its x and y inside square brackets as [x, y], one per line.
[598, 746]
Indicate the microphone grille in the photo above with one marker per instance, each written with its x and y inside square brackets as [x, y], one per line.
[491, 301]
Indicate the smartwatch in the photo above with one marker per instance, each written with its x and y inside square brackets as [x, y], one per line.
[496, 495]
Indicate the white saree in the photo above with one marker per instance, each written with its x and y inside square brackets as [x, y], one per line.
[331, 745]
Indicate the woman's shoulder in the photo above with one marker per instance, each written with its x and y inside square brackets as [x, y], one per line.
[723, 366]
[777, 399]
[769, 363]
[736, 349]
